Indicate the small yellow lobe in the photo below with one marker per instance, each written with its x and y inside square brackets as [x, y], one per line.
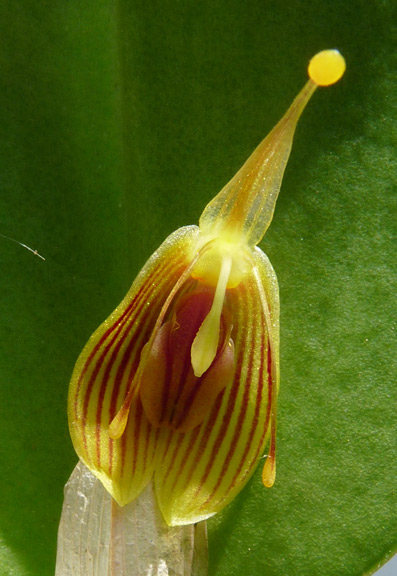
[205, 344]
[118, 424]
[269, 472]
[327, 67]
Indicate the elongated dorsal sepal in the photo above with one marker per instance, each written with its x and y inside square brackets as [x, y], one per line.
[243, 209]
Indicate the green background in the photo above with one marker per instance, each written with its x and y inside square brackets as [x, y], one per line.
[119, 121]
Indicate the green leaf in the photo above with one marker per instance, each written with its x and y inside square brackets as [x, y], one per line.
[119, 121]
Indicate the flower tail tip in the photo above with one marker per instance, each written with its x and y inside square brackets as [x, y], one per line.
[269, 472]
[326, 67]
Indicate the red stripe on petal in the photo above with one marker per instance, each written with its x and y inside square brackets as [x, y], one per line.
[240, 421]
[225, 424]
[194, 439]
[238, 478]
[117, 324]
[120, 329]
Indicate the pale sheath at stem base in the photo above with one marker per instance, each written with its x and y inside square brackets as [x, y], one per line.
[97, 537]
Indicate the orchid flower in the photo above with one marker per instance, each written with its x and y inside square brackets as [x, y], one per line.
[180, 383]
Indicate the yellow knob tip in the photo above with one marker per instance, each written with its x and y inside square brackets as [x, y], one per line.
[326, 67]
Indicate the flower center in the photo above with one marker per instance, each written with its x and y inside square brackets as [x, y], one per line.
[172, 394]
[208, 268]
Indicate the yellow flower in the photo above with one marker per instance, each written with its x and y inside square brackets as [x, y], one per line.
[180, 383]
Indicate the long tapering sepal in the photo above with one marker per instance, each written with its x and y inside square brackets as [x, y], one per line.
[243, 209]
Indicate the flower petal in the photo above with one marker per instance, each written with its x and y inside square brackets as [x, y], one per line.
[198, 473]
[104, 375]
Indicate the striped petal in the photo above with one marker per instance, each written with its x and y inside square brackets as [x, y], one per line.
[104, 375]
[199, 472]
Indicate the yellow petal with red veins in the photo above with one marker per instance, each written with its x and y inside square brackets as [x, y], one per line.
[104, 375]
[199, 472]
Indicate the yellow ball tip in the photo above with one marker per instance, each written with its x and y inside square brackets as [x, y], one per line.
[326, 67]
